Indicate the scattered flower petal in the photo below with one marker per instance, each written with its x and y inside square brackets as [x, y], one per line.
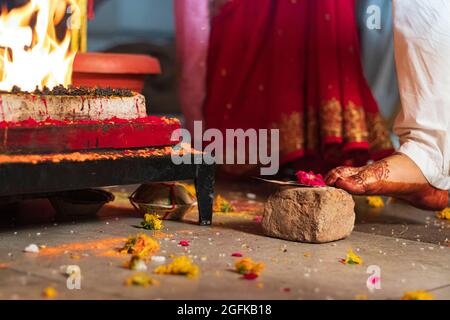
[49, 293]
[142, 280]
[222, 205]
[375, 201]
[251, 196]
[352, 258]
[184, 243]
[236, 254]
[444, 214]
[136, 264]
[250, 276]
[418, 295]
[246, 266]
[141, 246]
[151, 222]
[258, 218]
[310, 179]
[158, 259]
[180, 266]
[32, 248]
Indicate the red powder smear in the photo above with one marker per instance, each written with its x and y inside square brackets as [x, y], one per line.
[236, 254]
[250, 276]
[310, 179]
[184, 243]
[31, 123]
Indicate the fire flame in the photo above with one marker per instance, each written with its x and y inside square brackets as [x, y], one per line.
[30, 53]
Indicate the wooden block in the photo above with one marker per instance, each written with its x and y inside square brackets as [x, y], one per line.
[62, 136]
[22, 106]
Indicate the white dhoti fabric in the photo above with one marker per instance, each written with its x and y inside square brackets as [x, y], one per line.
[422, 52]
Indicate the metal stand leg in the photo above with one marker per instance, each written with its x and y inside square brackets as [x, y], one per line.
[204, 185]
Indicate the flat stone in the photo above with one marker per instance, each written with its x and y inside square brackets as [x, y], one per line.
[313, 215]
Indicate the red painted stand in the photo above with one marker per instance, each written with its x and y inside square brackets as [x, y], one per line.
[68, 136]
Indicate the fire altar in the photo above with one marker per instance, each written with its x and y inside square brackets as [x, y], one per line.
[69, 138]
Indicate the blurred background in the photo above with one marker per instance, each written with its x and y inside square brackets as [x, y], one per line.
[151, 30]
[137, 26]
[148, 27]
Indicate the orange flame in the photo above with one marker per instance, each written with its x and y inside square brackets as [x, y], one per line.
[30, 53]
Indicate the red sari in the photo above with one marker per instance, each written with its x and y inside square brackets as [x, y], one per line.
[294, 65]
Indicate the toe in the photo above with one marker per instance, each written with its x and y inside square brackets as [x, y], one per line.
[339, 173]
[351, 184]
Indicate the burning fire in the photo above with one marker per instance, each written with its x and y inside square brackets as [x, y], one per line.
[30, 53]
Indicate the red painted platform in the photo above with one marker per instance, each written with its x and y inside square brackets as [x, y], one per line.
[67, 136]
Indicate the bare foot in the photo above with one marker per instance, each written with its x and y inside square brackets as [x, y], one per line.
[397, 176]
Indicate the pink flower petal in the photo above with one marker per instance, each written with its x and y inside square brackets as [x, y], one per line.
[310, 179]
[250, 276]
[257, 218]
[236, 254]
[184, 243]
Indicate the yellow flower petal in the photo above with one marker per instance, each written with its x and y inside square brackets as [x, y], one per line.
[141, 279]
[418, 295]
[50, 293]
[444, 214]
[246, 266]
[141, 246]
[222, 205]
[180, 266]
[352, 258]
[152, 222]
[375, 201]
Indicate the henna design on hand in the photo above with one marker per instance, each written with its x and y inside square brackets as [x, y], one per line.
[376, 172]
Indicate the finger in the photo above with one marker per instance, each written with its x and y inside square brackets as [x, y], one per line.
[351, 184]
[332, 177]
[341, 172]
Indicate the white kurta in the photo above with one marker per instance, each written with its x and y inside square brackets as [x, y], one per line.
[422, 52]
